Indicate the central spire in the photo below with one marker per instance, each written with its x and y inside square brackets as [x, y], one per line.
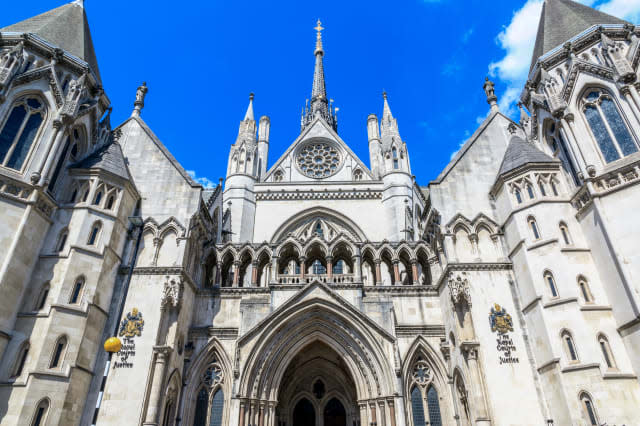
[319, 102]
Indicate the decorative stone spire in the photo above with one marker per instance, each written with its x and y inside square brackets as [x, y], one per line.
[389, 133]
[386, 111]
[247, 129]
[141, 93]
[319, 102]
[249, 114]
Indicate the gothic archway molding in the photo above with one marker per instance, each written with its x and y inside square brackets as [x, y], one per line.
[213, 350]
[316, 314]
[342, 223]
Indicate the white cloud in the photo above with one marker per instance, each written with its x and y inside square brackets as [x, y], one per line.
[204, 181]
[626, 9]
[518, 37]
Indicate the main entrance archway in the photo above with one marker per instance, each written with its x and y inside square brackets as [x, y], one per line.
[317, 389]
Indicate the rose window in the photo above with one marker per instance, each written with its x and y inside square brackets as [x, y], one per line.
[422, 373]
[318, 160]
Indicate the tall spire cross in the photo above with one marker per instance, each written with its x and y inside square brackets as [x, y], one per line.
[319, 29]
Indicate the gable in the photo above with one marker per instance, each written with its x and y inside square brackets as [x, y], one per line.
[318, 154]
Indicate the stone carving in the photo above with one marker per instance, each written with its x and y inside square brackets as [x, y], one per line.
[140, 94]
[77, 92]
[10, 63]
[422, 374]
[171, 292]
[459, 289]
[213, 375]
[132, 325]
[489, 89]
[500, 320]
[318, 160]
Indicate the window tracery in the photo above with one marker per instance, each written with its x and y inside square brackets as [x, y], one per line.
[209, 405]
[318, 160]
[19, 131]
[607, 125]
[425, 403]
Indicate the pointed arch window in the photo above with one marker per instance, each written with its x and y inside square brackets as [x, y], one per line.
[589, 409]
[58, 353]
[42, 299]
[534, 227]
[98, 199]
[518, 196]
[62, 241]
[543, 191]
[338, 268]
[394, 154]
[564, 231]
[318, 268]
[605, 348]
[40, 415]
[21, 360]
[607, 126]
[110, 201]
[19, 131]
[318, 230]
[585, 291]
[570, 347]
[76, 291]
[551, 282]
[417, 408]
[95, 233]
[530, 191]
[209, 407]
[433, 403]
[554, 187]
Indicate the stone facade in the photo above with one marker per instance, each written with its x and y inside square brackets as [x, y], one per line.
[318, 290]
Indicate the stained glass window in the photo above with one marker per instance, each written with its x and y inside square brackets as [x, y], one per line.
[416, 407]
[433, 405]
[608, 126]
[217, 405]
[19, 132]
[200, 417]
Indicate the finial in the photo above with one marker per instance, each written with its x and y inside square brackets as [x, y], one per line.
[249, 114]
[79, 2]
[489, 90]
[384, 94]
[251, 96]
[139, 102]
[319, 29]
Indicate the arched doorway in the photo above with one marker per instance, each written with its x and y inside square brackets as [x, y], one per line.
[334, 413]
[315, 388]
[304, 414]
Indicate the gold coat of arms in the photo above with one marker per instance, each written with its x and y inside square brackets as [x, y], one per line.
[500, 320]
[132, 325]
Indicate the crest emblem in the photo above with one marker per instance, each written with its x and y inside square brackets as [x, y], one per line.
[500, 320]
[132, 325]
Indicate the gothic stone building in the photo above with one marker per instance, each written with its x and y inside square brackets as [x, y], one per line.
[317, 290]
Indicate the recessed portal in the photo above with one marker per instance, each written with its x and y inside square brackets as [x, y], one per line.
[334, 413]
[304, 414]
[317, 389]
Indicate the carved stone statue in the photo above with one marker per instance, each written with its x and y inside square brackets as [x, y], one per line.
[489, 88]
[141, 92]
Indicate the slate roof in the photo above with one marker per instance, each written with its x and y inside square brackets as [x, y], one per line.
[66, 27]
[562, 20]
[519, 152]
[108, 158]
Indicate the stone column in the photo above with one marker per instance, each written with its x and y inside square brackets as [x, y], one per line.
[383, 419]
[303, 268]
[631, 99]
[261, 418]
[274, 269]
[372, 406]
[155, 394]
[236, 273]
[330, 267]
[378, 272]
[414, 271]
[48, 159]
[241, 422]
[477, 383]
[254, 274]
[363, 414]
[217, 279]
[635, 96]
[567, 126]
[392, 411]
[396, 272]
[357, 268]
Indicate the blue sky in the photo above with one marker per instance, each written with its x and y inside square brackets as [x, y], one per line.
[201, 59]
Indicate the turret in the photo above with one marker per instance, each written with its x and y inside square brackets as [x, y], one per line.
[264, 128]
[395, 157]
[242, 173]
[375, 147]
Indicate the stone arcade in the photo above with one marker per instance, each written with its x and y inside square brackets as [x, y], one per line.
[315, 289]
